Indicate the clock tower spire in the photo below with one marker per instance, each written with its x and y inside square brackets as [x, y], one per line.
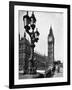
[50, 48]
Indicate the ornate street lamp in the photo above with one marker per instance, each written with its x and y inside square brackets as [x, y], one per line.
[26, 20]
[29, 23]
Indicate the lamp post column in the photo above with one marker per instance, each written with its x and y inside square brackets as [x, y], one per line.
[29, 23]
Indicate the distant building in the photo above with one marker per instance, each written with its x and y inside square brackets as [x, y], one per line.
[50, 61]
[40, 61]
[24, 54]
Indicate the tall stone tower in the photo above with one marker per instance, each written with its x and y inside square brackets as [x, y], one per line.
[50, 48]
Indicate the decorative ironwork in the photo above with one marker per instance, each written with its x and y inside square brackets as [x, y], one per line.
[30, 25]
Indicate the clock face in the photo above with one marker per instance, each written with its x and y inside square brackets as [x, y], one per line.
[50, 38]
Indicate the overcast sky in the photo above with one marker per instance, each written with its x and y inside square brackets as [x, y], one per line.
[43, 23]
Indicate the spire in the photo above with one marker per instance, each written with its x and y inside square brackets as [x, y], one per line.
[51, 31]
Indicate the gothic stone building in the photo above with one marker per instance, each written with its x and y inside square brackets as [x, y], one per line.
[24, 52]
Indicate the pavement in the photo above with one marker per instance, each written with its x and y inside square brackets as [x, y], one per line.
[29, 76]
[59, 74]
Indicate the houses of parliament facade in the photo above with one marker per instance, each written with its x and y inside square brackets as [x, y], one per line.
[41, 61]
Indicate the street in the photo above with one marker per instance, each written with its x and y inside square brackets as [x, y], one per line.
[40, 74]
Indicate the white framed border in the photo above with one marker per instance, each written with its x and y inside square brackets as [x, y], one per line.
[16, 45]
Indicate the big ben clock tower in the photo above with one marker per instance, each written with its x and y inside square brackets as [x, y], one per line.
[50, 48]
